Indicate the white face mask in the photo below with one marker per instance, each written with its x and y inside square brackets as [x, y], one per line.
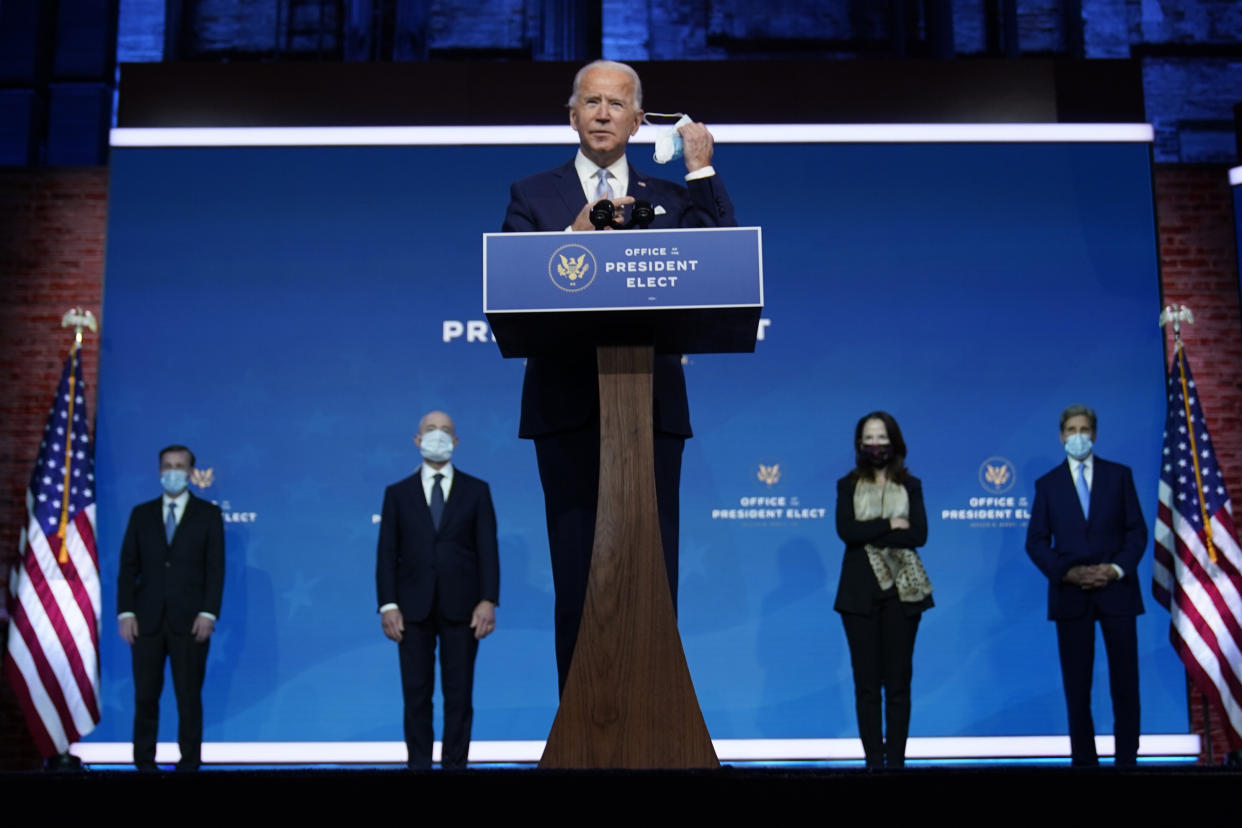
[668, 144]
[1078, 446]
[436, 445]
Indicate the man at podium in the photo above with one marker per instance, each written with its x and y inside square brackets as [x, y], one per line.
[560, 394]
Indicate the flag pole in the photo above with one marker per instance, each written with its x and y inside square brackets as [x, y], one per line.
[1176, 314]
[77, 318]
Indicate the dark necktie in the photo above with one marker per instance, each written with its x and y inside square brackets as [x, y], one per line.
[437, 501]
[170, 523]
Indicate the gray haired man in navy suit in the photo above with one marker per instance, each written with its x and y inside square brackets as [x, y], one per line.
[437, 577]
[560, 393]
[168, 590]
[1087, 535]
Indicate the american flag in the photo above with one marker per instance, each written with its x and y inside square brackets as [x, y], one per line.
[1197, 555]
[52, 659]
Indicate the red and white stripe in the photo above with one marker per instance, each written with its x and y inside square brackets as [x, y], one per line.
[1204, 599]
[52, 661]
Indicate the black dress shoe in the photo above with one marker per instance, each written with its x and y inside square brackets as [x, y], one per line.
[185, 766]
[63, 763]
[147, 767]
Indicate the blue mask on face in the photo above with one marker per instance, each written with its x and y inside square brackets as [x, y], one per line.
[1078, 446]
[174, 481]
[436, 445]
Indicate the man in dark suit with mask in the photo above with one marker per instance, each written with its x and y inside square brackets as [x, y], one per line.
[560, 394]
[1087, 535]
[437, 577]
[168, 599]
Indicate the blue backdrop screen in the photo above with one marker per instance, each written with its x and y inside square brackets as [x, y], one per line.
[291, 312]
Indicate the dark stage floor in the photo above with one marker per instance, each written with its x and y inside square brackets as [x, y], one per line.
[962, 794]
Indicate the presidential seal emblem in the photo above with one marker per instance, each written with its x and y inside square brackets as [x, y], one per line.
[203, 478]
[771, 475]
[996, 475]
[572, 268]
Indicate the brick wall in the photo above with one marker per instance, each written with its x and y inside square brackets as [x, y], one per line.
[52, 224]
[51, 259]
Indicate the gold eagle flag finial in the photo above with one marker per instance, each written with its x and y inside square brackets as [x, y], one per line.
[77, 318]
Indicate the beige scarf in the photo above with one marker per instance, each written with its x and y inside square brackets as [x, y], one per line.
[890, 565]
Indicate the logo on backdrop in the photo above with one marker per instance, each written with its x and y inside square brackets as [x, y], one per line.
[996, 475]
[768, 502]
[572, 268]
[769, 474]
[995, 508]
[204, 479]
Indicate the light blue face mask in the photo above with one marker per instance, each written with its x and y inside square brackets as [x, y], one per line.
[174, 481]
[1078, 446]
[668, 144]
[436, 445]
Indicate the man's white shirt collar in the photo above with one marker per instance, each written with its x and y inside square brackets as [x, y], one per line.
[178, 502]
[428, 475]
[586, 169]
[1088, 465]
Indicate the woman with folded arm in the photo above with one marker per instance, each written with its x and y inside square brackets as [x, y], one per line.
[883, 589]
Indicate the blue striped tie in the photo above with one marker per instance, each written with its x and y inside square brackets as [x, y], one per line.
[170, 523]
[1084, 494]
[604, 190]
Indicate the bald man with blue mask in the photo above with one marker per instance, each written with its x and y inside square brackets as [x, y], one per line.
[437, 580]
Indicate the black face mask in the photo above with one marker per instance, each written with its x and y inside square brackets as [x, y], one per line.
[877, 456]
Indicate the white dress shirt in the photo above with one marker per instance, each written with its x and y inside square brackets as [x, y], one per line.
[619, 178]
[178, 504]
[429, 479]
[1087, 465]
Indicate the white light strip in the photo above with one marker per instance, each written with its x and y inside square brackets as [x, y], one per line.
[339, 136]
[536, 135]
[729, 750]
[1235, 176]
[931, 133]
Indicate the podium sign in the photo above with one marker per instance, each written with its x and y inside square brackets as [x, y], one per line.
[683, 291]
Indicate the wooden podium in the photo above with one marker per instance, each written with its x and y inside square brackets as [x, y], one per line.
[628, 701]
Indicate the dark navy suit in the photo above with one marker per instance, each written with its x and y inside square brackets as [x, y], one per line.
[560, 395]
[436, 578]
[1060, 537]
[166, 586]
